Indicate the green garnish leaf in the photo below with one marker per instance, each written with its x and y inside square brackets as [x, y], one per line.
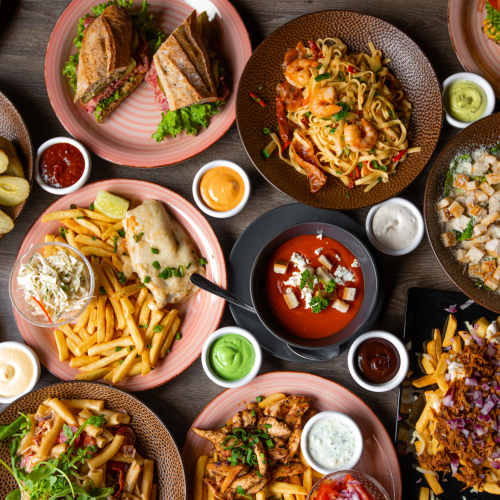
[157, 329]
[156, 264]
[307, 279]
[377, 166]
[138, 237]
[122, 278]
[341, 114]
[155, 250]
[466, 234]
[319, 303]
[147, 279]
[121, 233]
[323, 76]
[203, 261]
[330, 286]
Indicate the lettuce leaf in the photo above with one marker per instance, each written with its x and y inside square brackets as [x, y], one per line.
[190, 120]
[104, 103]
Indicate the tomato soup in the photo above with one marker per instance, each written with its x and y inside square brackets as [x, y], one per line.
[314, 286]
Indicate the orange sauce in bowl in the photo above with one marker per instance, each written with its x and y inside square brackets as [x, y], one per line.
[301, 321]
[222, 188]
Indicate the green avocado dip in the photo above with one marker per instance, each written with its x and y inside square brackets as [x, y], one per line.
[231, 357]
[465, 100]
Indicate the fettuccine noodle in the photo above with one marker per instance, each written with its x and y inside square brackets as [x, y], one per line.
[341, 113]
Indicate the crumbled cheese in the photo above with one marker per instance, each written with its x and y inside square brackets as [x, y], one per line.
[456, 370]
[342, 275]
[337, 256]
[294, 279]
[319, 234]
[299, 260]
[355, 263]
[492, 330]
[306, 295]
[318, 251]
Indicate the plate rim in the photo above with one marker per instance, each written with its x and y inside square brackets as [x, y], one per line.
[112, 388]
[163, 380]
[313, 375]
[361, 14]
[113, 157]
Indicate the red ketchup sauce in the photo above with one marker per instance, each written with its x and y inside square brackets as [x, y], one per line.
[61, 165]
[378, 360]
[337, 489]
[301, 321]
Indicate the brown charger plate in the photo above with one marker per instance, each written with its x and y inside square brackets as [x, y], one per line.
[475, 51]
[153, 438]
[485, 132]
[409, 64]
[13, 128]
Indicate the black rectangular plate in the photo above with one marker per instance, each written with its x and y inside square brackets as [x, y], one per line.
[425, 310]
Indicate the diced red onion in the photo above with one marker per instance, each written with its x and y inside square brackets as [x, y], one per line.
[454, 465]
[477, 461]
[452, 309]
[479, 430]
[478, 340]
[489, 404]
[466, 304]
[495, 464]
[471, 381]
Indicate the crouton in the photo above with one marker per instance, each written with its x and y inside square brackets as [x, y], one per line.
[445, 202]
[474, 255]
[492, 247]
[444, 215]
[471, 186]
[474, 271]
[496, 274]
[290, 299]
[492, 217]
[349, 294]
[449, 239]
[493, 179]
[486, 188]
[456, 209]
[488, 266]
[491, 283]
[280, 266]
[478, 230]
[460, 181]
[461, 255]
[475, 209]
[325, 261]
[494, 230]
[460, 223]
[341, 306]
[481, 196]
[324, 275]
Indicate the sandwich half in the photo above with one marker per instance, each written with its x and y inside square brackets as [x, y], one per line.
[112, 60]
[186, 78]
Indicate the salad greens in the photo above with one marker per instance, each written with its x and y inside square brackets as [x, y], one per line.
[190, 119]
[55, 478]
[142, 19]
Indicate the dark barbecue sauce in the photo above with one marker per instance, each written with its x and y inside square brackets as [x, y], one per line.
[377, 360]
[61, 165]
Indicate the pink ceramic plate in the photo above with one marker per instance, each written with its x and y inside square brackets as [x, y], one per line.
[475, 51]
[201, 315]
[379, 456]
[125, 137]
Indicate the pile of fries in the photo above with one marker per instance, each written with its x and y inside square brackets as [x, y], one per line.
[297, 488]
[118, 334]
[442, 351]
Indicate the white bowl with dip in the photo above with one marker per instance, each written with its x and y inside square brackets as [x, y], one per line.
[230, 356]
[81, 180]
[19, 370]
[395, 227]
[401, 372]
[467, 93]
[331, 441]
[221, 189]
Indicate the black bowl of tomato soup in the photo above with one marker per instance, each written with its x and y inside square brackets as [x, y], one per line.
[314, 285]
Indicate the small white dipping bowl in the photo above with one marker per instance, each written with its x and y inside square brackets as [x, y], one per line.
[205, 353]
[36, 368]
[349, 423]
[403, 361]
[86, 169]
[479, 80]
[390, 251]
[199, 200]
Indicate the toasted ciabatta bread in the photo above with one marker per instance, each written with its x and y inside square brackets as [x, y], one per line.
[106, 52]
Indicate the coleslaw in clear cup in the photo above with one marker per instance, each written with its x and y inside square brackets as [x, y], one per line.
[51, 284]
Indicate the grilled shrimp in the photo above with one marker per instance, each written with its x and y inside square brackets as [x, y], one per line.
[360, 137]
[323, 102]
[297, 73]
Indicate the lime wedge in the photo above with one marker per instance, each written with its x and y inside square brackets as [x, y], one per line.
[111, 205]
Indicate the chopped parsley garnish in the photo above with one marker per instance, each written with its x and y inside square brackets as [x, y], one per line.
[341, 114]
[155, 250]
[121, 233]
[330, 286]
[118, 348]
[138, 237]
[266, 131]
[156, 264]
[147, 279]
[91, 206]
[495, 149]
[319, 303]
[157, 329]
[178, 336]
[122, 278]
[323, 76]
[62, 232]
[102, 290]
[466, 234]
[203, 261]
[307, 279]
[259, 399]
[377, 166]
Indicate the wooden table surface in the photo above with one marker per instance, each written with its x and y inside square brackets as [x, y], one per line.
[24, 32]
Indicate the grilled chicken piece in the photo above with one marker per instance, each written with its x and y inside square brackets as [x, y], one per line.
[279, 453]
[274, 427]
[294, 443]
[251, 483]
[290, 409]
[262, 461]
[245, 418]
[286, 471]
[215, 437]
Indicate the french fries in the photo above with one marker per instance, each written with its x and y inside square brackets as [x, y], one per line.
[119, 334]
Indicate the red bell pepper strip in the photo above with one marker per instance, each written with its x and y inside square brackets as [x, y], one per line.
[316, 53]
[283, 124]
[42, 307]
[118, 467]
[351, 69]
[399, 155]
[257, 99]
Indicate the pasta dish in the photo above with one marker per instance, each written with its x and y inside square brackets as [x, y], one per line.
[341, 113]
[78, 449]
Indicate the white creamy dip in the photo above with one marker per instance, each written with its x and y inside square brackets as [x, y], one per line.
[332, 443]
[17, 371]
[394, 226]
